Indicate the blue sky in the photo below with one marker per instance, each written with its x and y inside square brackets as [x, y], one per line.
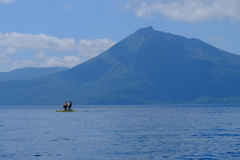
[49, 33]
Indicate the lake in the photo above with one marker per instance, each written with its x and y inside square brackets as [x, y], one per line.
[120, 132]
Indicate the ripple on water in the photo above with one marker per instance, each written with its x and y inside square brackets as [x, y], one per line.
[37, 155]
[234, 154]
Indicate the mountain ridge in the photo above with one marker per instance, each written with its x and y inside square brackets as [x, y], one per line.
[29, 73]
[146, 67]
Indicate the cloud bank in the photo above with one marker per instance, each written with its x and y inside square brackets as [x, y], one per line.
[48, 61]
[86, 46]
[36, 42]
[72, 52]
[186, 10]
[6, 1]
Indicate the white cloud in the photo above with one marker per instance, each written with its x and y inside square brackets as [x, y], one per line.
[11, 50]
[51, 61]
[2, 56]
[41, 56]
[69, 6]
[23, 63]
[15, 42]
[187, 10]
[48, 61]
[4, 60]
[60, 52]
[91, 48]
[6, 1]
[67, 61]
[36, 42]
[72, 60]
[217, 39]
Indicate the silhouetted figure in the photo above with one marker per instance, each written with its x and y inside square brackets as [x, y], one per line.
[65, 105]
[69, 105]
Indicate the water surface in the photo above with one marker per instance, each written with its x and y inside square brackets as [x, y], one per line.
[121, 132]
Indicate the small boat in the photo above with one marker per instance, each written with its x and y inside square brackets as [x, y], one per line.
[66, 111]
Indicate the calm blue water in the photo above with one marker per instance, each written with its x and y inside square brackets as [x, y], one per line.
[121, 132]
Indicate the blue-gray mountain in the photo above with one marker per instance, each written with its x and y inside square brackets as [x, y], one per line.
[147, 67]
[29, 73]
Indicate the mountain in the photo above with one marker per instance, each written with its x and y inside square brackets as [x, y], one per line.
[29, 73]
[147, 67]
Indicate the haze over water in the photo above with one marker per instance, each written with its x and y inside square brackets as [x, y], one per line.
[121, 132]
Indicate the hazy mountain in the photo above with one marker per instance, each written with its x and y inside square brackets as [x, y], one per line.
[147, 67]
[29, 73]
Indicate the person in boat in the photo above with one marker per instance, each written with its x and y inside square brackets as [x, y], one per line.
[65, 105]
[69, 105]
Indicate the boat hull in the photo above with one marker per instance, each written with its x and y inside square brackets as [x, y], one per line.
[66, 111]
